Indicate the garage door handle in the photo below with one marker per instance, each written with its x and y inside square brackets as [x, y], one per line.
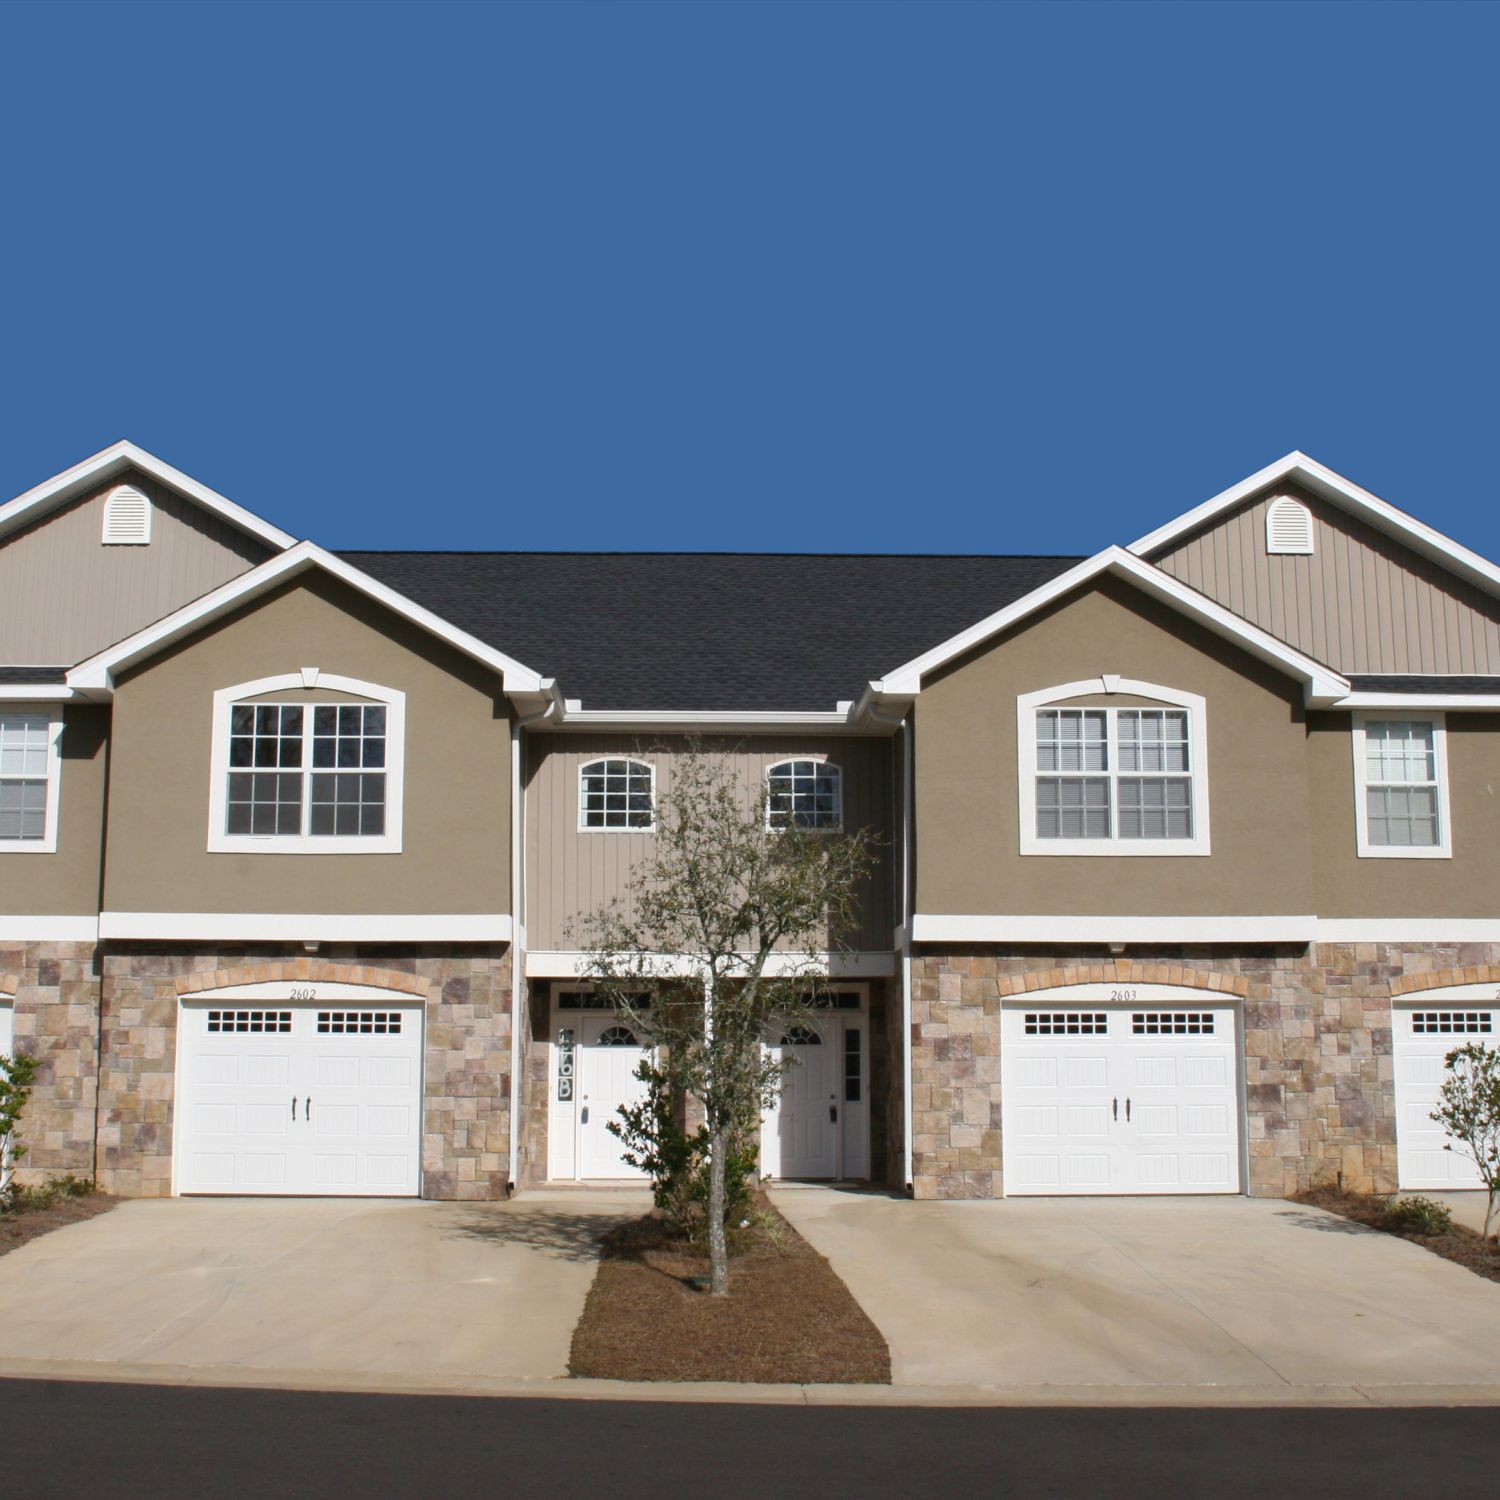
[1115, 1105]
[307, 1109]
[1127, 1111]
[294, 1106]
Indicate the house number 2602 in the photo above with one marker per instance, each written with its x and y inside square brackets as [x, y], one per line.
[305, 994]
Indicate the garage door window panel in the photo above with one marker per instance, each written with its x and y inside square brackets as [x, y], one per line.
[307, 777]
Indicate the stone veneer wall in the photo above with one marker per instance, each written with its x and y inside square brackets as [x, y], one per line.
[56, 989]
[1319, 1076]
[465, 1136]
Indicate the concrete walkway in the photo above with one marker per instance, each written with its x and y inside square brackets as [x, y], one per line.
[326, 1291]
[1468, 1206]
[1240, 1294]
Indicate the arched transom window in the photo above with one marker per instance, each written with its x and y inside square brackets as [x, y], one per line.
[1096, 778]
[805, 793]
[308, 763]
[616, 793]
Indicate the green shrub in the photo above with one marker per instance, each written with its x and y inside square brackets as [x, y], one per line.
[1418, 1215]
[676, 1160]
[19, 1200]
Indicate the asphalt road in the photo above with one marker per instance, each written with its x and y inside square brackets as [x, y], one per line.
[94, 1440]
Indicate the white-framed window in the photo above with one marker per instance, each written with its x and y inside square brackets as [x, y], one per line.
[1401, 786]
[616, 794]
[300, 775]
[807, 792]
[30, 777]
[1096, 779]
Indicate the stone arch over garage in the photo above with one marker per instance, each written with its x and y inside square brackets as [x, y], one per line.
[303, 971]
[9, 984]
[1444, 979]
[1124, 971]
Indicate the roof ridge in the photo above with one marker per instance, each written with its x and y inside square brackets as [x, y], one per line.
[560, 552]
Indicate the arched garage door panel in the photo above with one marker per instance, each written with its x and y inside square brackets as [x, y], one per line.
[1120, 1090]
[280, 1097]
[1425, 1029]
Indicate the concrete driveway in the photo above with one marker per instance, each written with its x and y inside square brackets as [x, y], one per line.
[1261, 1296]
[344, 1292]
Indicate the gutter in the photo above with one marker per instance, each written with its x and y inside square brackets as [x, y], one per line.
[518, 923]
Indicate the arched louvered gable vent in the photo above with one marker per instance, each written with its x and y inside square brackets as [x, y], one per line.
[127, 517]
[1289, 527]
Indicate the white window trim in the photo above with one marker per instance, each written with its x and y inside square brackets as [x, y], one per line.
[634, 760]
[821, 757]
[1113, 847]
[1443, 849]
[47, 844]
[220, 842]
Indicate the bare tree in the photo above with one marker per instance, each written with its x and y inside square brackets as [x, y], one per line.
[1469, 1111]
[738, 905]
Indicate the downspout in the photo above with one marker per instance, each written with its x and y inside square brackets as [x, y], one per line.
[908, 783]
[518, 932]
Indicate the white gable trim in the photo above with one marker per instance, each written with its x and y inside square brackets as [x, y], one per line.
[117, 459]
[96, 675]
[1322, 481]
[1321, 684]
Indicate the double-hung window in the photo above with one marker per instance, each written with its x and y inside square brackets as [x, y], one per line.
[1400, 776]
[1107, 780]
[307, 776]
[29, 772]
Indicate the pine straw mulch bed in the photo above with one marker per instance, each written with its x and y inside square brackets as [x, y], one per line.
[1463, 1246]
[787, 1318]
[21, 1226]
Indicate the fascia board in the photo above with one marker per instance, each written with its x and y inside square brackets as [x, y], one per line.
[97, 673]
[116, 459]
[1320, 682]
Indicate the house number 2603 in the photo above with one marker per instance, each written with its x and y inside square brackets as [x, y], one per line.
[1126, 995]
[305, 994]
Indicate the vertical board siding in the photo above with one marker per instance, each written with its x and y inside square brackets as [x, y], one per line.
[64, 595]
[571, 873]
[1361, 603]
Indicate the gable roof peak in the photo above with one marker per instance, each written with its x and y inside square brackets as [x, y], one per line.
[118, 458]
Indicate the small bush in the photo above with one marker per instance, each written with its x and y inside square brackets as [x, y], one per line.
[1418, 1215]
[20, 1200]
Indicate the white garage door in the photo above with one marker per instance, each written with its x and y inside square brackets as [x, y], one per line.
[1424, 1036]
[1111, 1099]
[281, 1098]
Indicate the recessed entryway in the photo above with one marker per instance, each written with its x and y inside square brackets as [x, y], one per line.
[1424, 1032]
[820, 1125]
[595, 1055]
[1120, 1089]
[278, 1095]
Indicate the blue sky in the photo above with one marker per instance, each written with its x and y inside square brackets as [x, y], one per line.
[780, 276]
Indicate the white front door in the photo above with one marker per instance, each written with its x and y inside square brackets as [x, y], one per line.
[1424, 1035]
[819, 1126]
[275, 1097]
[1103, 1099]
[609, 1054]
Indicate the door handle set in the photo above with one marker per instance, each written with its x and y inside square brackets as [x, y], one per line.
[306, 1108]
[1114, 1106]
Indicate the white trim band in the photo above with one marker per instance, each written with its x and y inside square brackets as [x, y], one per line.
[22, 929]
[1408, 930]
[568, 963]
[1101, 929]
[304, 927]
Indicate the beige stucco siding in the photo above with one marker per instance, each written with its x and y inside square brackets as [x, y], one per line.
[572, 873]
[66, 883]
[456, 851]
[1467, 885]
[967, 811]
[1361, 603]
[64, 595]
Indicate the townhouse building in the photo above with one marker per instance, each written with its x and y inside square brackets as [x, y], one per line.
[1190, 849]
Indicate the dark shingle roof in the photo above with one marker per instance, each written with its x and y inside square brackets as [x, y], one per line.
[33, 676]
[733, 631]
[1366, 684]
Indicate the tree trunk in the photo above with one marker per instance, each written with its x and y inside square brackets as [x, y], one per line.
[718, 1250]
[1489, 1211]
